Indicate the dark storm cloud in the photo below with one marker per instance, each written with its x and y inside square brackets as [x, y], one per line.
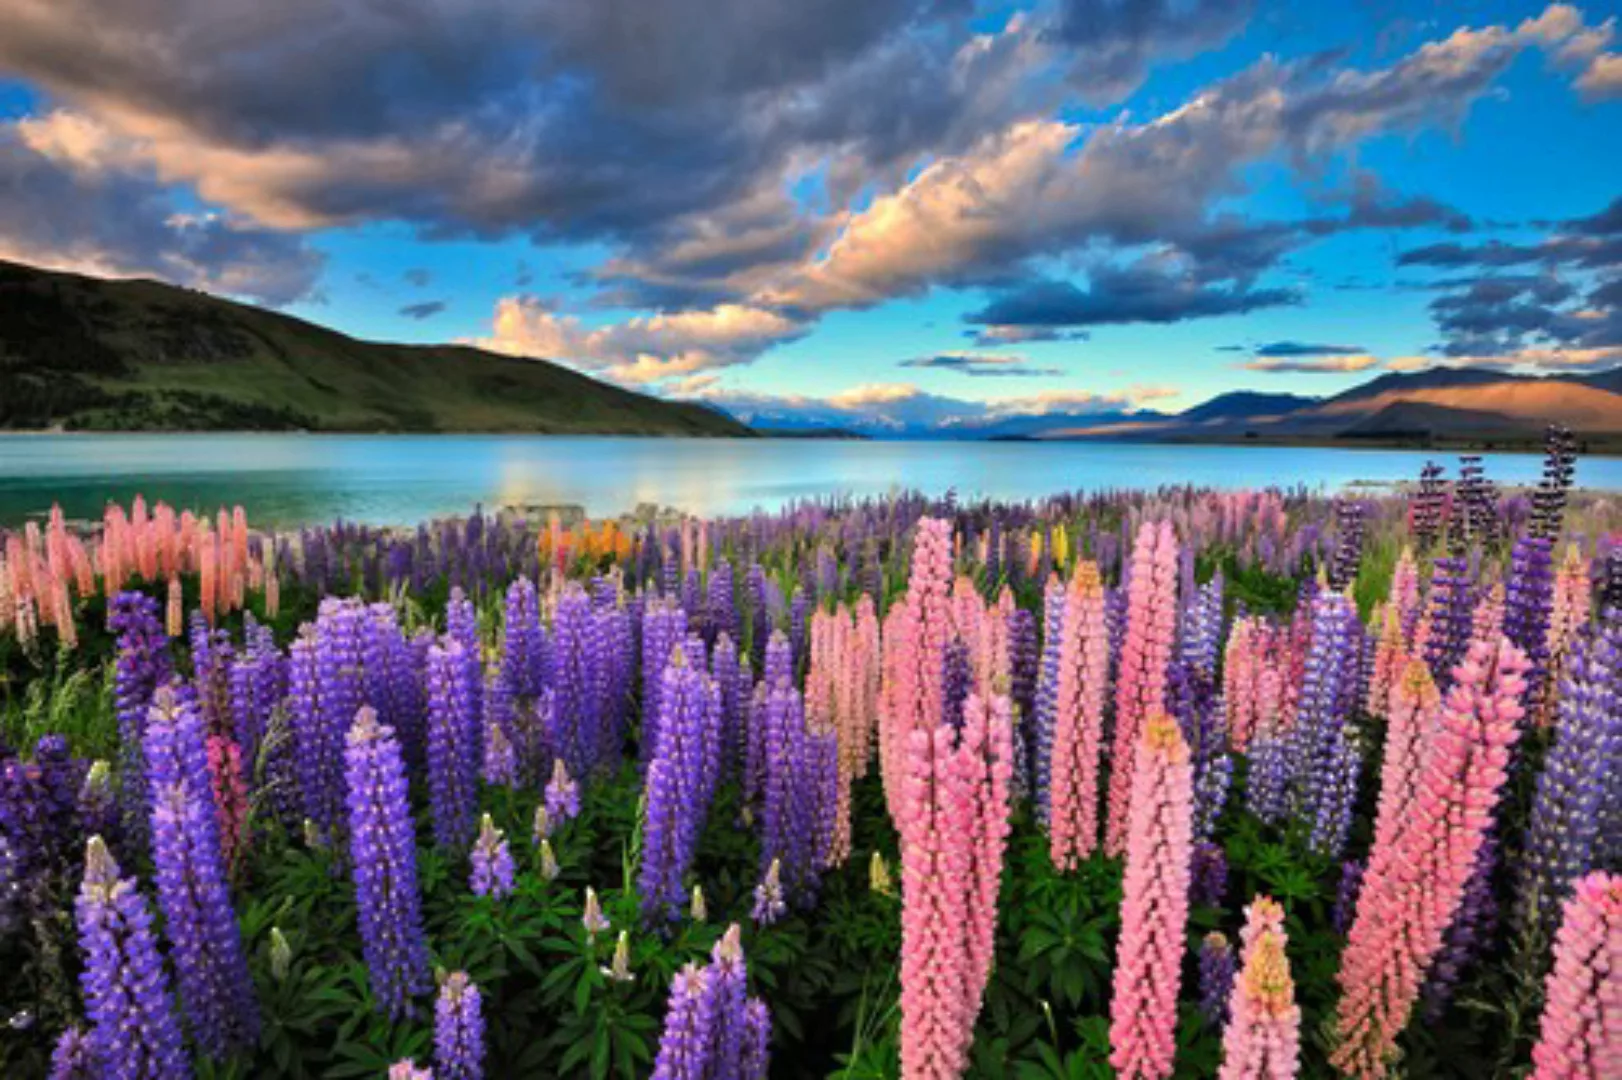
[1302, 348]
[1115, 41]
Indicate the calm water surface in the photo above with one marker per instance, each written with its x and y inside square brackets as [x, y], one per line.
[287, 479]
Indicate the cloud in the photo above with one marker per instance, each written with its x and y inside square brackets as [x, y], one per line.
[641, 349]
[1532, 359]
[1320, 365]
[1019, 335]
[1141, 293]
[979, 365]
[72, 203]
[417, 276]
[425, 310]
[1114, 42]
[1300, 348]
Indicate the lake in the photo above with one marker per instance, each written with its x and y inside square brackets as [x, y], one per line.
[289, 479]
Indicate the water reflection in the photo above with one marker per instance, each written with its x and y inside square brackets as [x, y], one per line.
[294, 478]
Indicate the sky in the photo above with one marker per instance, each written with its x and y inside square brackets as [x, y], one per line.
[900, 211]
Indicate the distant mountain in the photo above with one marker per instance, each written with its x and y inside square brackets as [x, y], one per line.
[1246, 405]
[81, 352]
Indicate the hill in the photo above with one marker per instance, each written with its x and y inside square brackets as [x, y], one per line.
[92, 354]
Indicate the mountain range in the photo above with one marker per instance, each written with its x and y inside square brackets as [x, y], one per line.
[88, 353]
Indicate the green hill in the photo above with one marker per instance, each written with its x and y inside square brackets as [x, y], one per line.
[91, 354]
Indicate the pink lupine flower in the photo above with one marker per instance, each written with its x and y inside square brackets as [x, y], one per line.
[1414, 705]
[1078, 733]
[1415, 880]
[1582, 1012]
[1241, 678]
[230, 795]
[1404, 597]
[915, 640]
[1573, 597]
[1487, 623]
[1262, 1040]
[1390, 658]
[841, 695]
[1140, 687]
[954, 798]
[1154, 905]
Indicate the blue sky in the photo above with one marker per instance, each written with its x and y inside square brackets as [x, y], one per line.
[888, 209]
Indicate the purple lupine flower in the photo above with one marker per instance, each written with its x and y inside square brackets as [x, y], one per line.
[720, 607]
[1023, 664]
[788, 794]
[562, 795]
[1200, 632]
[1325, 763]
[142, 666]
[1451, 605]
[1208, 874]
[98, 804]
[211, 656]
[1267, 788]
[1218, 966]
[778, 667]
[769, 902]
[680, 783]
[1528, 600]
[582, 677]
[73, 1057]
[499, 766]
[591, 915]
[492, 868]
[1349, 543]
[134, 1031]
[1346, 894]
[453, 740]
[258, 684]
[730, 686]
[393, 679]
[1047, 693]
[664, 625]
[957, 678]
[189, 870]
[712, 1027]
[458, 1029]
[383, 852]
[1565, 835]
[325, 692]
[1197, 707]
[1474, 924]
[799, 616]
[523, 642]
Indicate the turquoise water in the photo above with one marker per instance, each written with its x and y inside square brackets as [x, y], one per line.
[287, 479]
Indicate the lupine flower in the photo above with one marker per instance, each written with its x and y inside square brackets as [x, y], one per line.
[1449, 617]
[1045, 720]
[1263, 1037]
[1413, 712]
[324, 691]
[549, 861]
[134, 1031]
[681, 781]
[1564, 837]
[1154, 904]
[1326, 764]
[697, 910]
[769, 903]
[542, 827]
[619, 967]
[1431, 853]
[914, 642]
[1474, 922]
[1217, 969]
[230, 795]
[523, 642]
[664, 626]
[492, 863]
[73, 1057]
[384, 855]
[1582, 1014]
[453, 739]
[190, 873]
[1140, 687]
[562, 795]
[953, 826]
[142, 666]
[1346, 893]
[500, 766]
[1078, 735]
[458, 1029]
[712, 1027]
[592, 916]
[1528, 602]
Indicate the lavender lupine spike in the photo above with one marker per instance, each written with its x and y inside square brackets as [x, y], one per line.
[730, 687]
[1451, 604]
[135, 1033]
[1565, 837]
[788, 805]
[562, 795]
[713, 1029]
[680, 783]
[73, 1057]
[383, 854]
[523, 642]
[664, 624]
[720, 607]
[1325, 761]
[590, 678]
[1047, 692]
[1474, 923]
[324, 691]
[258, 683]
[142, 666]
[189, 870]
[1218, 966]
[1346, 894]
[1024, 662]
[458, 1029]
[1528, 601]
[1349, 543]
[393, 683]
[1559, 467]
[453, 741]
[492, 869]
